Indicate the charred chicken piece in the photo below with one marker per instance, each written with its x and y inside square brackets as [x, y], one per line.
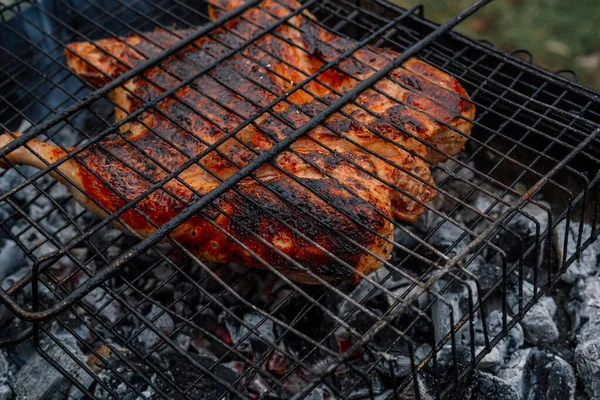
[326, 204]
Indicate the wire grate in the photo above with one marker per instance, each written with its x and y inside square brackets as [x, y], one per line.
[121, 315]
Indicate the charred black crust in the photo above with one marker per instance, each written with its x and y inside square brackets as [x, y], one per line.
[399, 115]
[334, 233]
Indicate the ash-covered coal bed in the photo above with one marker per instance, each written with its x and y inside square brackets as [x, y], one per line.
[553, 353]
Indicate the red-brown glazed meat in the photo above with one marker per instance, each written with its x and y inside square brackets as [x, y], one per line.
[327, 201]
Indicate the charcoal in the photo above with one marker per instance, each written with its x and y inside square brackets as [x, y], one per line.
[441, 238]
[360, 292]
[321, 392]
[480, 386]
[446, 237]
[198, 385]
[482, 204]
[521, 232]
[347, 308]
[547, 376]
[124, 379]
[164, 323]
[487, 269]
[240, 334]
[484, 386]
[505, 347]
[456, 297]
[4, 367]
[278, 363]
[355, 383]
[475, 385]
[538, 375]
[11, 258]
[202, 346]
[408, 237]
[587, 362]
[390, 363]
[20, 353]
[37, 379]
[113, 382]
[10, 280]
[588, 262]
[183, 341]
[538, 323]
[585, 314]
[584, 309]
[99, 299]
[439, 376]
[396, 361]
[6, 392]
[512, 369]
[259, 386]
[455, 187]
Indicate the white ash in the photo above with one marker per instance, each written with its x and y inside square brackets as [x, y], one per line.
[12, 257]
[321, 392]
[162, 321]
[585, 312]
[99, 299]
[512, 369]
[456, 301]
[254, 334]
[547, 376]
[483, 386]
[493, 361]
[522, 230]
[587, 263]
[538, 375]
[538, 323]
[37, 379]
[6, 392]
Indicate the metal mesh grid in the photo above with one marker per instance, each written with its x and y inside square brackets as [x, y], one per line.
[534, 133]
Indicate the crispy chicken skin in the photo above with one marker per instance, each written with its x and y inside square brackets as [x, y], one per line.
[327, 201]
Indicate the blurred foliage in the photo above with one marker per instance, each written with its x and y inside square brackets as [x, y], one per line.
[559, 33]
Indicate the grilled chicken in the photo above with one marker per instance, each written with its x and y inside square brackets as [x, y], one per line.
[326, 204]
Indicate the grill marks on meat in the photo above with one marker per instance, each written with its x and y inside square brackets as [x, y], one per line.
[331, 165]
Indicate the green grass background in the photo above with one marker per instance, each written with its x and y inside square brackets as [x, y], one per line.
[559, 33]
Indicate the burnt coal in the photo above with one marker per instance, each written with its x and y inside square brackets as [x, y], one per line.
[484, 386]
[161, 321]
[37, 379]
[127, 380]
[585, 314]
[513, 367]
[198, 385]
[6, 392]
[255, 334]
[320, 393]
[587, 264]
[538, 323]
[459, 299]
[12, 257]
[493, 361]
[547, 376]
[538, 375]
[476, 385]
[170, 375]
[355, 384]
[521, 231]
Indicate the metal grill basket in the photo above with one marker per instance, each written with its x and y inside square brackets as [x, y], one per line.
[142, 317]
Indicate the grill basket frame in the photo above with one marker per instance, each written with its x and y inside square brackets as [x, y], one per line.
[545, 106]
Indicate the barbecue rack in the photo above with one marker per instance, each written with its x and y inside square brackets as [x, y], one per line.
[112, 313]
